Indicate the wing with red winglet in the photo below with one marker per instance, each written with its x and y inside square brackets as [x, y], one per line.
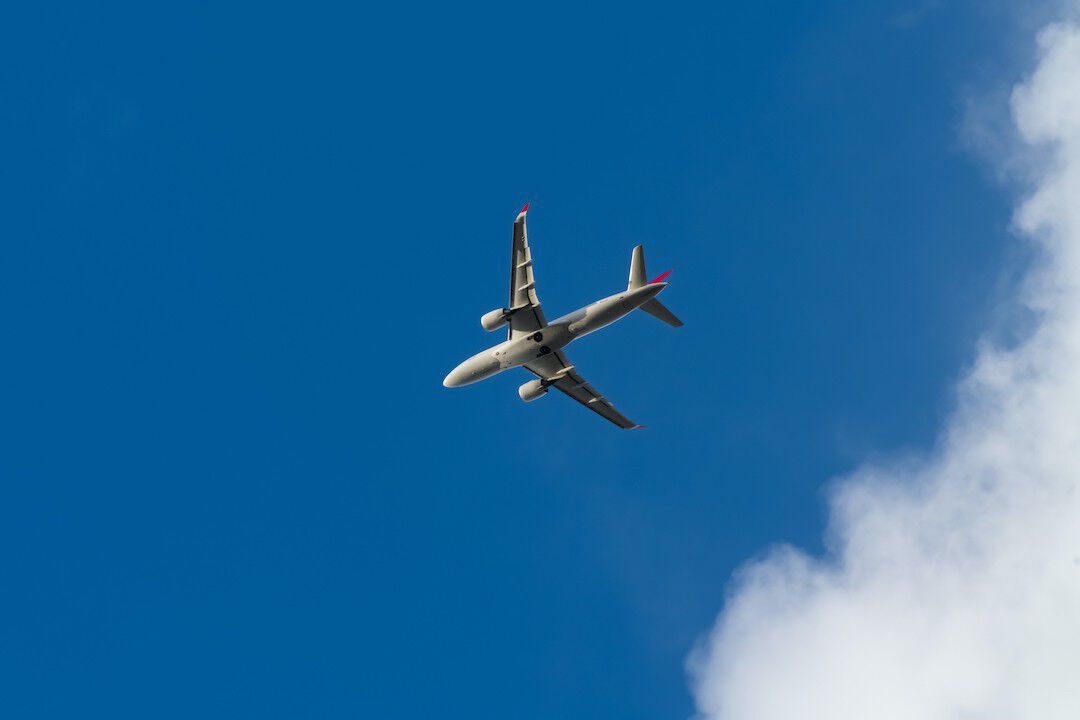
[527, 317]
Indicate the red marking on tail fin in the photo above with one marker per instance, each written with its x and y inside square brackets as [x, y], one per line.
[524, 209]
[660, 278]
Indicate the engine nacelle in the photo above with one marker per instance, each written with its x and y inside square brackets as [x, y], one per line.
[532, 390]
[494, 319]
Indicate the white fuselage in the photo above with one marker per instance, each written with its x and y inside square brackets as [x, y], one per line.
[558, 334]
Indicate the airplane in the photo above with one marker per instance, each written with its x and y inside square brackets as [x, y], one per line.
[535, 344]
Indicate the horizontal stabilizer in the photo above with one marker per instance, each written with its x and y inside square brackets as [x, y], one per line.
[655, 308]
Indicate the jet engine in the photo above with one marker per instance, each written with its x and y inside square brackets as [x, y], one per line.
[495, 319]
[532, 390]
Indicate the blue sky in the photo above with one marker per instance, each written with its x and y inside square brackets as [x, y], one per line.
[243, 245]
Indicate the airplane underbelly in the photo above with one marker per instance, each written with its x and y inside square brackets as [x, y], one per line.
[599, 317]
[536, 345]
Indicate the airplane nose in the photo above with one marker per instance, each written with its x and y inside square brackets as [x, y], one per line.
[455, 377]
[476, 368]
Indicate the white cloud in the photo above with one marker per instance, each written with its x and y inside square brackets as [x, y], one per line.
[952, 586]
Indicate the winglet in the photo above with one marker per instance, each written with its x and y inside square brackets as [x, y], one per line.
[638, 427]
[524, 210]
[660, 278]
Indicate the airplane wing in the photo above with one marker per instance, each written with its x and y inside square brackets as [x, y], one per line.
[555, 365]
[528, 317]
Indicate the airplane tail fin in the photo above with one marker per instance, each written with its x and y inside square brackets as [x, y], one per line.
[637, 269]
[637, 279]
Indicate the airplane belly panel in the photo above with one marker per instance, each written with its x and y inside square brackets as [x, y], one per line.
[599, 315]
[538, 344]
